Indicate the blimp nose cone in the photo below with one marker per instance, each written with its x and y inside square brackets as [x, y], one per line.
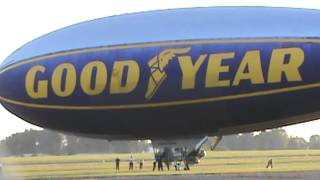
[11, 91]
[5, 84]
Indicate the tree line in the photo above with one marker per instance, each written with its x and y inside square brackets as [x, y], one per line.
[275, 139]
[32, 142]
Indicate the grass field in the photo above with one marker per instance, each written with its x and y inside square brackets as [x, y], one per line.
[97, 165]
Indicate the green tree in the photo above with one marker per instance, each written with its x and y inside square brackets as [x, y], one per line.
[297, 143]
[272, 139]
[314, 142]
[48, 142]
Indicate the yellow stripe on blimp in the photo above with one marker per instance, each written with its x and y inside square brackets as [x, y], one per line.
[164, 104]
[157, 44]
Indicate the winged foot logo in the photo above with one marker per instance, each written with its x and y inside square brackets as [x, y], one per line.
[157, 66]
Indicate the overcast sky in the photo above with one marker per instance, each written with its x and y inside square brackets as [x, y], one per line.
[25, 20]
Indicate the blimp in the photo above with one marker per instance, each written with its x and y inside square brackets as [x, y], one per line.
[174, 76]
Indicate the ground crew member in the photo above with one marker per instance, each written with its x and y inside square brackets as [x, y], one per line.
[160, 165]
[1, 169]
[269, 164]
[167, 164]
[117, 164]
[186, 165]
[154, 165]
[141, 164]
[131, 163]
[177, 166]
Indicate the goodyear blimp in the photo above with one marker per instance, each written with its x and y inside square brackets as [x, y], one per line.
[173, 76]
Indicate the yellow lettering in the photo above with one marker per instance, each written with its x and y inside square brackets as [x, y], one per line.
[100, 78]
[70, 80]
[252, 62]
[41, 90]
[133, 75]
[278, 67]
[214, 69]
[190, 70]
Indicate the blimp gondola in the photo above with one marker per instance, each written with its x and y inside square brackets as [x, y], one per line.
[173, 76]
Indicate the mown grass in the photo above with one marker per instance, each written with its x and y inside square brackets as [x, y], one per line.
[97, 165]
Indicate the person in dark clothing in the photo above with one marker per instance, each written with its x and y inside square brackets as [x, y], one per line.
[131, 166]
[154, 165]
[269, 164]
[131, 163]
[141, 164]
[117, 164]
[160, 165]
[186, 166]
[167, 164]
